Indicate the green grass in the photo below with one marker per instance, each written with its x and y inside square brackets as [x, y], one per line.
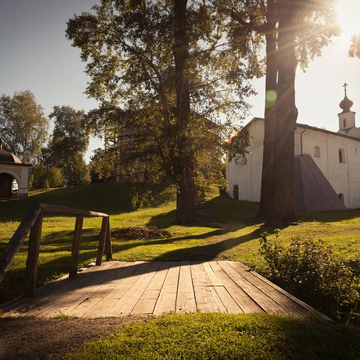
[219, 336]
[238, 241]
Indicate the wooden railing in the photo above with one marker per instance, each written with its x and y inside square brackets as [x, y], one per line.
[32, 223]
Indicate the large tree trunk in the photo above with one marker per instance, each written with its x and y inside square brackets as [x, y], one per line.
[184, 164]
[282, 209]
[267, 179]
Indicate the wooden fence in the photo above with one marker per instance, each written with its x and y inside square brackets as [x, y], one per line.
[32, 223]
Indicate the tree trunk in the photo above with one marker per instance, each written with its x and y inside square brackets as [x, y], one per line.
[267, 178]
[282, 209]
[184, 164]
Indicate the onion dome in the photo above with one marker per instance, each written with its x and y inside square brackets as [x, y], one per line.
[346, 103]
[6, 156]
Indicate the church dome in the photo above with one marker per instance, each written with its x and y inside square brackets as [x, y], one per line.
[346, 104]
[6, 156]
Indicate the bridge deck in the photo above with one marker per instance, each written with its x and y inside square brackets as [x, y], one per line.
[152, 288]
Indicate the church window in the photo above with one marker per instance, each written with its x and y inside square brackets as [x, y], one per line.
[243, 160]
[342, 156]
[317, 151]
[236, 192]
[344, 122]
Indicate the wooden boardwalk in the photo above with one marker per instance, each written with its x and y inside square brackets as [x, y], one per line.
[152, 288]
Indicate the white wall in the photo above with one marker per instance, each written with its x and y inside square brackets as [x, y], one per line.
[344, 177]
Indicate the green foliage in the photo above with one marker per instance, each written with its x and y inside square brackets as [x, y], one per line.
[102, 163]
[238, 144]
[23, 125]
[76, 172]
[130, 50]
[67, 146]
[223, 336]
[312, 272]
[43, 177]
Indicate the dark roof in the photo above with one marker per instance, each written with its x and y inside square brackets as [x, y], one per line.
[8, 157]
[313, 192]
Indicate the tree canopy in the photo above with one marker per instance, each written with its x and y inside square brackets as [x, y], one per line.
[67, 145]
[169, 66]
[23, 125]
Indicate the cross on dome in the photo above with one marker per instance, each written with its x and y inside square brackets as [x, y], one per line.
[346, 104]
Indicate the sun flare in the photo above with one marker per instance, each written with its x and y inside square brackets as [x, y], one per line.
[348, 15]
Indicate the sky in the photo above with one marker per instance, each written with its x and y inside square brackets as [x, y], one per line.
[35, 56]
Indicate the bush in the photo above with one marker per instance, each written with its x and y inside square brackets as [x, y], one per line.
[310, 270]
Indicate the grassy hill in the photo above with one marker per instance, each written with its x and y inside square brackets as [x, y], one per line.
[238, 241]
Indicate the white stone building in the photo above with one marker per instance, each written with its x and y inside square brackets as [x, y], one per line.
[327, 165]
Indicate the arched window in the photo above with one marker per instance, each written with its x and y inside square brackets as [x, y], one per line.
[344, 122]
[342, 198]
[317, 151]
[244, 160]
[342, 156]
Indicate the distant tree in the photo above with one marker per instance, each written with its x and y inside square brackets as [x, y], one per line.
[67, 146]
[166, 64]
[102, 163]
[23, 125]
[354, 50]
[45, 177]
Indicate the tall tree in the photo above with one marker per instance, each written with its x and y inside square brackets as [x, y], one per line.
[294, 33]
[68, 144]
[23, 125]
[166, 63]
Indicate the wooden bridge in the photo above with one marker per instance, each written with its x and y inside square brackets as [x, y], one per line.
[117, 288]
[152, 288]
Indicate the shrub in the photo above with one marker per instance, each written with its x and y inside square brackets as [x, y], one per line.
[310, 270]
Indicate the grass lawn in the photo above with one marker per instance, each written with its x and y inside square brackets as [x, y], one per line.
[218, 336]
[238, 241]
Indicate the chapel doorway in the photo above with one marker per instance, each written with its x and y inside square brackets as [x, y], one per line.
[6, 184]
[236, 192]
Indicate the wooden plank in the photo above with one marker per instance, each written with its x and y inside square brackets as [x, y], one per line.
[204, 294]
[117, 299]
[103, 231]
[166, 302]
[45, 292]
[76, 246]
[33, 257]
[246, 304]
[82, 299]
[122, 283]
[289, 301]
[128, 302]
[68, 293]
[185, 301]
[148, 299]
[229, 303]
[108, 246]
[258, 296]
[71, 211]
[17, 240]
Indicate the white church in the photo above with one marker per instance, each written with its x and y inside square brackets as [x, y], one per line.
[327, 165]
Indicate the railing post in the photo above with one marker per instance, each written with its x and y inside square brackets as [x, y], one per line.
[76, 246]
[33, 257]
[103, 232]
[108, 247]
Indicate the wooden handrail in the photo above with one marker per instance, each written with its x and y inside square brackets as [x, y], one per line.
[32, 223]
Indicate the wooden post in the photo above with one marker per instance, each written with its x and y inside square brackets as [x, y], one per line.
[108, 247]
[76, 246]
[103, 232]
[17, 239]
[33, 257]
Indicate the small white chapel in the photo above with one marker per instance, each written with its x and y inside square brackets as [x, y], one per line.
[327, 165]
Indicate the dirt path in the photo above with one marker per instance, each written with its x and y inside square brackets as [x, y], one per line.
[35, 338]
